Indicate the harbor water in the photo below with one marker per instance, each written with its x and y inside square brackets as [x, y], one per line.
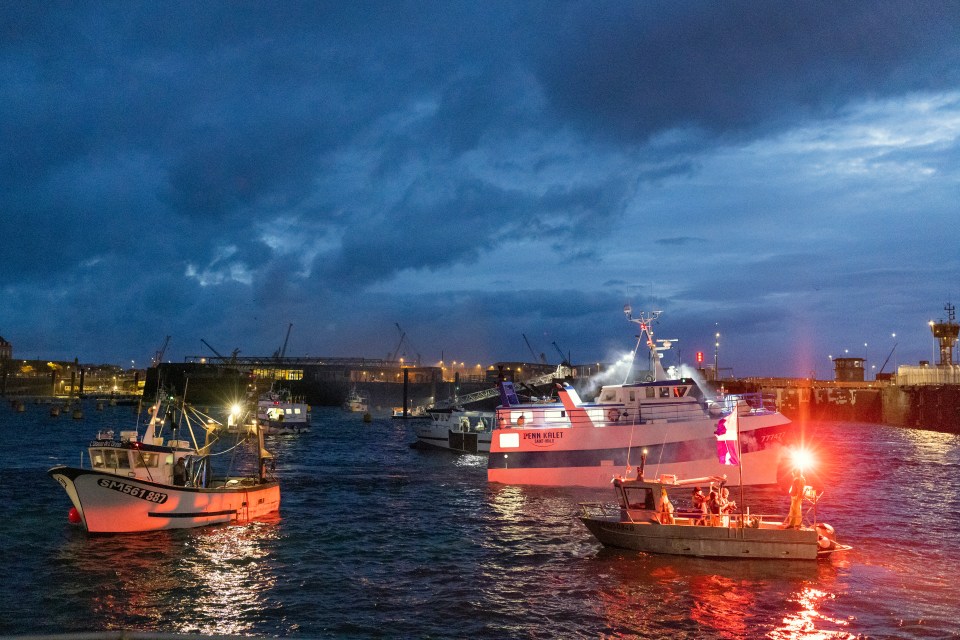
[376, 539]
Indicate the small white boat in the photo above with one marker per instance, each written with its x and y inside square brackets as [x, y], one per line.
[155, 482]
[456, 429]
[280, 413]
[644, 519]
[356, 402]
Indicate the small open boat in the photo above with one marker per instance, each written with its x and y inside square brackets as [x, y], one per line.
[644, 519]
[155, 482]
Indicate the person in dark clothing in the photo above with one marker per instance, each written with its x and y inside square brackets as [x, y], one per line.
[180, 473]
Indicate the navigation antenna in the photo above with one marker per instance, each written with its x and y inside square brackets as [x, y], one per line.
[646, 327]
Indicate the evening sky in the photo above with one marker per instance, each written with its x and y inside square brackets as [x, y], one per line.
[783, 173]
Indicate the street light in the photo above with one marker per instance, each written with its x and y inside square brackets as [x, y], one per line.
[716, 357]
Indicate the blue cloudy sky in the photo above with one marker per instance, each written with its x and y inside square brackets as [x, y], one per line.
[784, 173]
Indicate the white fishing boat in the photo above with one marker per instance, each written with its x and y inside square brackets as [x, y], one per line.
[165, 479]
[577, 443]
[278, 412]
[457, 429]
[356, 402]
[645, 519]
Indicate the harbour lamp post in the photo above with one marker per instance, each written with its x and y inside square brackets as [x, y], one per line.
[716, 358]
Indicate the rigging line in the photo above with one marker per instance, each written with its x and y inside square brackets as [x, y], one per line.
[220, 453]
[660, 457]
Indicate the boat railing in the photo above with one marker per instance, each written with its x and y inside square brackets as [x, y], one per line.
[753, 402]
[600, 509]
[732, 520]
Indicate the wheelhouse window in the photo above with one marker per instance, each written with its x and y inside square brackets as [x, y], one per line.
[664, 392]
[639, 498]
[116, 459]
[96, 457]
[146, 459]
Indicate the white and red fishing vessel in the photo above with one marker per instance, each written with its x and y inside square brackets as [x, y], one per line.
[166, 478]
[673, 420]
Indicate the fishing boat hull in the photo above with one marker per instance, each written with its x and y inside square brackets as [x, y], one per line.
[770, 542]
[460, 431]
[284, 428]
[592, 455]
[108, 503]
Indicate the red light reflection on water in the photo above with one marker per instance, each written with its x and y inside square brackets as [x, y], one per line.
[667, 596]
[722, 604]
[804, 623]
[126, 581]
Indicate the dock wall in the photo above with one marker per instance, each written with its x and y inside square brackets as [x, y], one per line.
[934, 407]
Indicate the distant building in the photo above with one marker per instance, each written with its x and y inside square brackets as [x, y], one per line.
[6, 350]
[848, 369]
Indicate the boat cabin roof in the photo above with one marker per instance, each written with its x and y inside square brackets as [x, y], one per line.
[668, 481]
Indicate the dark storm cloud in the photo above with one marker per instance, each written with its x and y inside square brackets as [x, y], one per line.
[636, 69]
[218, 170]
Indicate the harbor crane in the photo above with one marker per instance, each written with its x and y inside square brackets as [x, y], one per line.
[403, 337]
[563, 359]
[158, 356]
[542, 358]
[888, 358]
[279, 354]
[223, 358]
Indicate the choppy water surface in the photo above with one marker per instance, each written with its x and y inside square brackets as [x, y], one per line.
[376, 539]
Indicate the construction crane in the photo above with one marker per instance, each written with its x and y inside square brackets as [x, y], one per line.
[563, 359]
[541, 358]
[223, 358]
[403, 337]
[888, 358]
[158, 356]
[393, 356]
[279, 354]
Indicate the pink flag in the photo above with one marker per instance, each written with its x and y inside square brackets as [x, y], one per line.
[727, 433]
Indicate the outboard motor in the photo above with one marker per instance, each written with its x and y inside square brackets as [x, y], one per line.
[826, 537]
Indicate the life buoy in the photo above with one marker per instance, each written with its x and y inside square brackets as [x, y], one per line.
[613, 415]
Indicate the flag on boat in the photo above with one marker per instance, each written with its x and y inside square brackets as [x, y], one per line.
[727, 433]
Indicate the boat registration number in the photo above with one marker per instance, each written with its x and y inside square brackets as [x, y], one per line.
[136, 492]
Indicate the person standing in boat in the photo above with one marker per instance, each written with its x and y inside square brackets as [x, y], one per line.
[699, 502]
[666, 508]
[180, 473]
[726, 504]
[713, 507]
[795, 515]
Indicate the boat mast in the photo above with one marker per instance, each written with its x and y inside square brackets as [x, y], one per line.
[646, 327]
